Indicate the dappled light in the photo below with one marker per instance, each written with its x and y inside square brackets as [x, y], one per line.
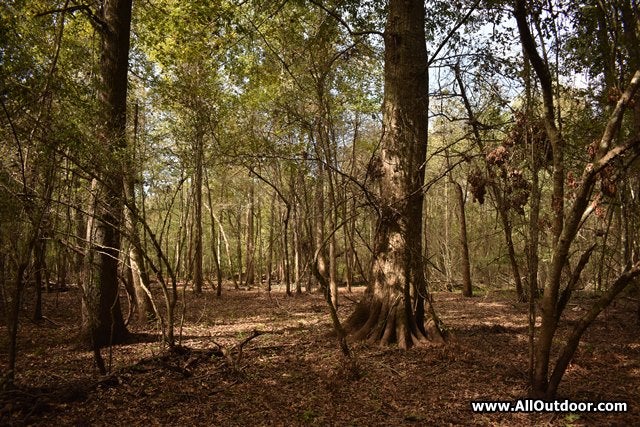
[322, 212]
[294, 370]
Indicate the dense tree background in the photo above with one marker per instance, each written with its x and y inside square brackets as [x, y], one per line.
[298, 146]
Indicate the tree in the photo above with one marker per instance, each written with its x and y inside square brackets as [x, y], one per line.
[387, 314]
[607, 153]
[139, 276]
[467, 288]
[103, 322]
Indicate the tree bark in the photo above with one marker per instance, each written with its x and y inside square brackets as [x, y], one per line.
[250, 254]
[198, 277]
[386, 314]
[467, 289]
[272, 220]
[215, 242]
[103, 321]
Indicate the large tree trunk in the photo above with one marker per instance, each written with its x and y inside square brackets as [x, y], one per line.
[103, 322]
[386, 314]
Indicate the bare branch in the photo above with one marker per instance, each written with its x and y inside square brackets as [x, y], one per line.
[97, 22]
[342, 22]
[616, 117]
[452, 32]
[69, 9]
[573, 281]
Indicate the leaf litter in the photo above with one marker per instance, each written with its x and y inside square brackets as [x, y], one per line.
[251, 358]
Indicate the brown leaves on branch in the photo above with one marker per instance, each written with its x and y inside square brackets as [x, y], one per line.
[529, 134]
[498, 156]
[477, 183]
[517, 190]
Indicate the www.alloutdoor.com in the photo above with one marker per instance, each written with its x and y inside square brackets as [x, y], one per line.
[533, 405]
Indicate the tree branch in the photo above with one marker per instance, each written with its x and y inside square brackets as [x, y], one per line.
[95, 20]
[616, 117]
[344, 23]
[529, 45]
[603, 302]
[573, 281]
[452, 32]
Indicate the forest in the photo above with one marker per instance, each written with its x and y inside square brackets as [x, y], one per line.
[319, 212]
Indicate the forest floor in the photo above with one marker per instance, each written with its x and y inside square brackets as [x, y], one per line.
[294, 374]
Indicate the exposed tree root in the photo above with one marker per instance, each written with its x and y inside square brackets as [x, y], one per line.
[386, 323]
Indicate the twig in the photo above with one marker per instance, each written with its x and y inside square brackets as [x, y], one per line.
[253, 335]
[334, 14]
[52, 321]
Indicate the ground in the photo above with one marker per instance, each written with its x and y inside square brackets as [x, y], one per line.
[294, 373]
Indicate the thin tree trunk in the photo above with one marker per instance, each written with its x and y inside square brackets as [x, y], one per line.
[571, 345]
[226, 245]
[139, 275]
[503, 212]
[285, 246]
[250, 254]
[182, 235]
[215, 242]
[39, 266]
[446, 248]
[198, 277]
[467, 289]
[349, 250]
[333, 259]
[228, 251]
[239, 248]
[272, 221]
[318, 217]
[511, 251]
[13, 312]
[296, 249]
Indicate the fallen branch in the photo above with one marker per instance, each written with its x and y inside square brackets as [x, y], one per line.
[253, 335]
[234, 362]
